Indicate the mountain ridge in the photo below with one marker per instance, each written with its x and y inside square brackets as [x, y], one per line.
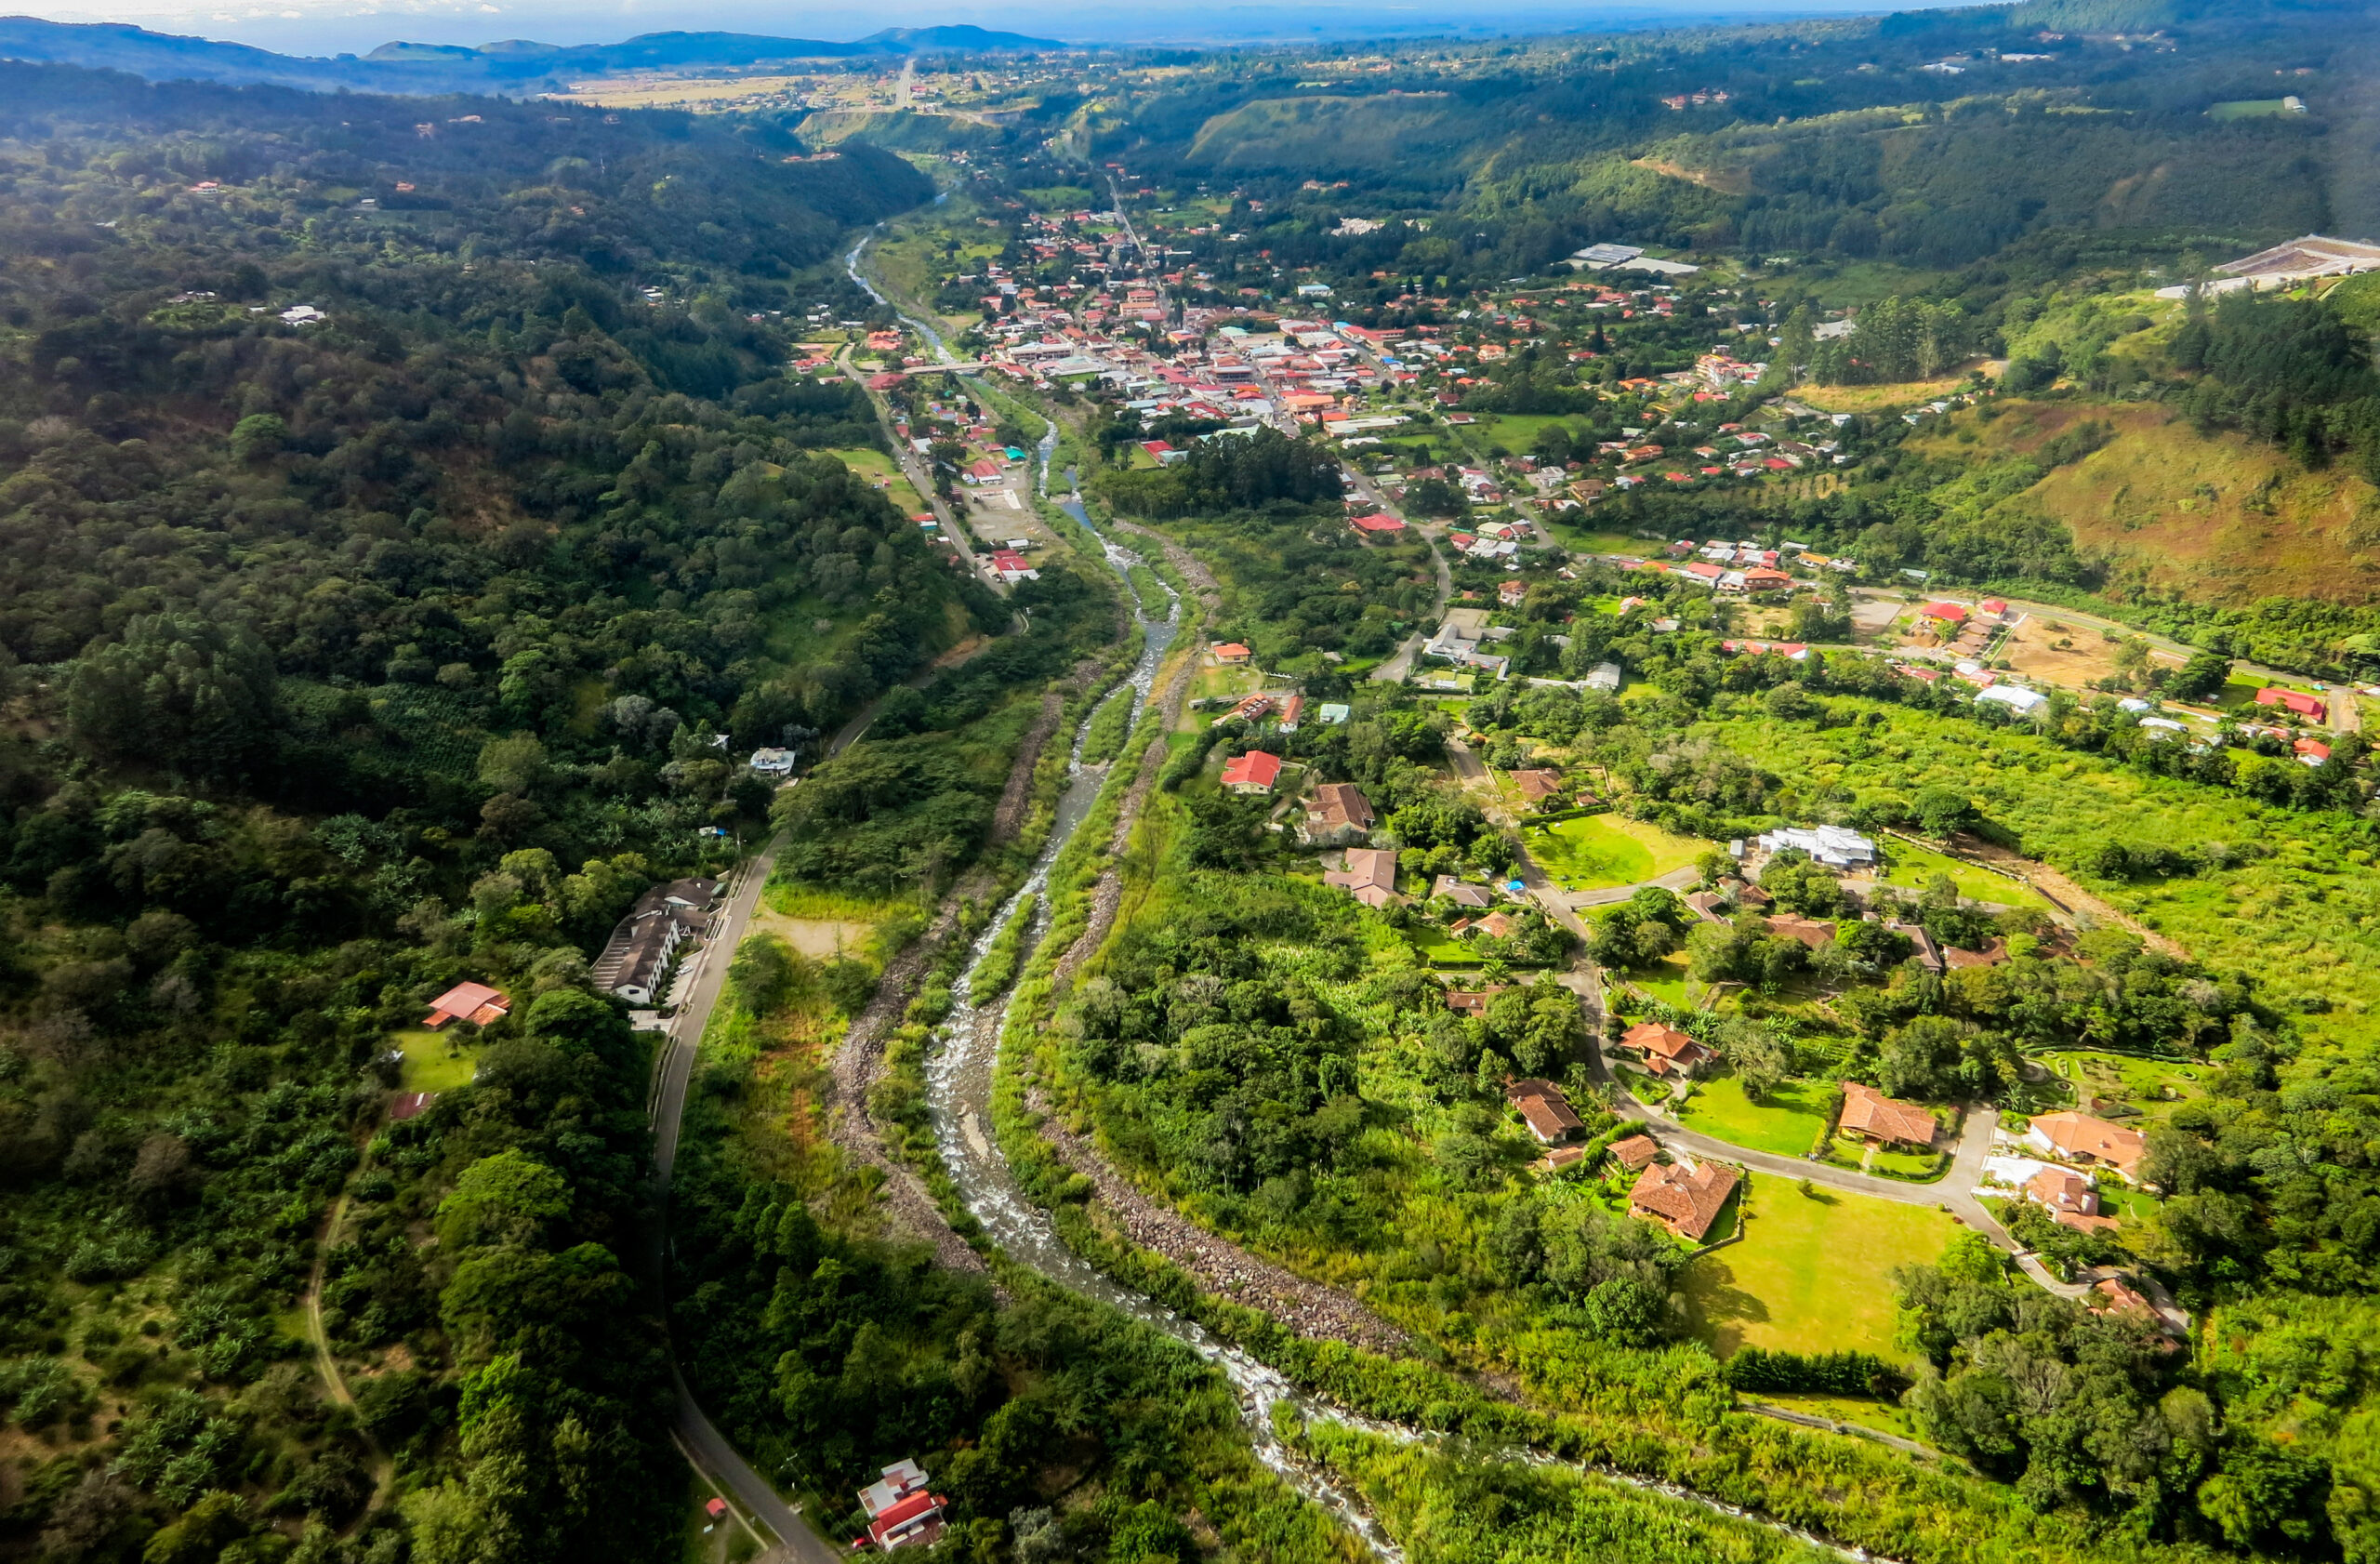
[510, 65]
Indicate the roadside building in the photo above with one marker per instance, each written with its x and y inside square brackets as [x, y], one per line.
[901, 1513]
[1869, 1115]
[634, 964]
[1665, 1049]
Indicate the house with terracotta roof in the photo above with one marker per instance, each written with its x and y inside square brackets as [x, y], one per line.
[1336, 812]
[1378, 521]
[1811, 931]
[1370, 877]
[1252, 773]
[1537, 784]
[1231, 651]
[1474, 1001]
[2069, 1198]
[2079, 1137]
[1869, 1115]
[1665, 1049]
[1546, 1110]
[1637, 1153]
[475, 1002]
[1685, 1200]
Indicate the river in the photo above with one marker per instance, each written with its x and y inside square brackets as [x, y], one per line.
[959, 1093]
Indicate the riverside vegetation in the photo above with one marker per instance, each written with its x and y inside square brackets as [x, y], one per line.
[408, 534]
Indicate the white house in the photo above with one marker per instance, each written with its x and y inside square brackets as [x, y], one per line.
[2021, 701]
[1836, 846]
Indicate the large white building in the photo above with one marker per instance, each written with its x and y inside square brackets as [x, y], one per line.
[1836, 846]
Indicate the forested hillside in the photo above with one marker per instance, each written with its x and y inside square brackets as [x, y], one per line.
[349, 651]
[1928, 139]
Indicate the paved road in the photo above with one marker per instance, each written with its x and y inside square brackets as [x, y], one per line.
[700, 989]
[920, 478]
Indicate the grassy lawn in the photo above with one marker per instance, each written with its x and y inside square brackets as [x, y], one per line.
[2142, 1082]
[2248, 108]
[1788, 1123]
[1915, 1167]
[434, 1061]
[1913, 866]
[879, 469]
[1668, 981]
[1588, 540]
[1811, 1276]
[1435, 947]
[1600, 850]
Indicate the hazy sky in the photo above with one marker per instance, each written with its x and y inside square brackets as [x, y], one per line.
[332, 26]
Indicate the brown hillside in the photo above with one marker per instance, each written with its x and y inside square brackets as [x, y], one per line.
[2222, 517]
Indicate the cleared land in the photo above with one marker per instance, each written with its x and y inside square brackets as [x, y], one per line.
[1600, 849]
[2216, 515]
[1787, 1124]
[434, 1061]
[1812, 1272]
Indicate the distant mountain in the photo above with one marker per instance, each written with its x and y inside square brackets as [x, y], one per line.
[512, 66]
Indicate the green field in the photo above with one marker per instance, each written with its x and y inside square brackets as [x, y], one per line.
[1912, 867]
[2248, 108]
[1587, 540]
[878, 468]
[1596, 851]
[1811, 1275]
[1788, 1123]
[434, 1061]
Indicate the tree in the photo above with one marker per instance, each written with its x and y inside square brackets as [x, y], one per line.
[2200, 677]
[179, 691]
[1942, 811]
[1761, 1061]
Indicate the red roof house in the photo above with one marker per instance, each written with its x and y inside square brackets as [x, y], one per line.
[1665, 1050]
[1947, 613]
[1378, 521]
[900, 1512]
[1252, 773]
[475, 1002]
[2295, 700]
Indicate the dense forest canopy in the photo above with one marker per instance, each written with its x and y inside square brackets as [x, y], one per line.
[350, 651]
